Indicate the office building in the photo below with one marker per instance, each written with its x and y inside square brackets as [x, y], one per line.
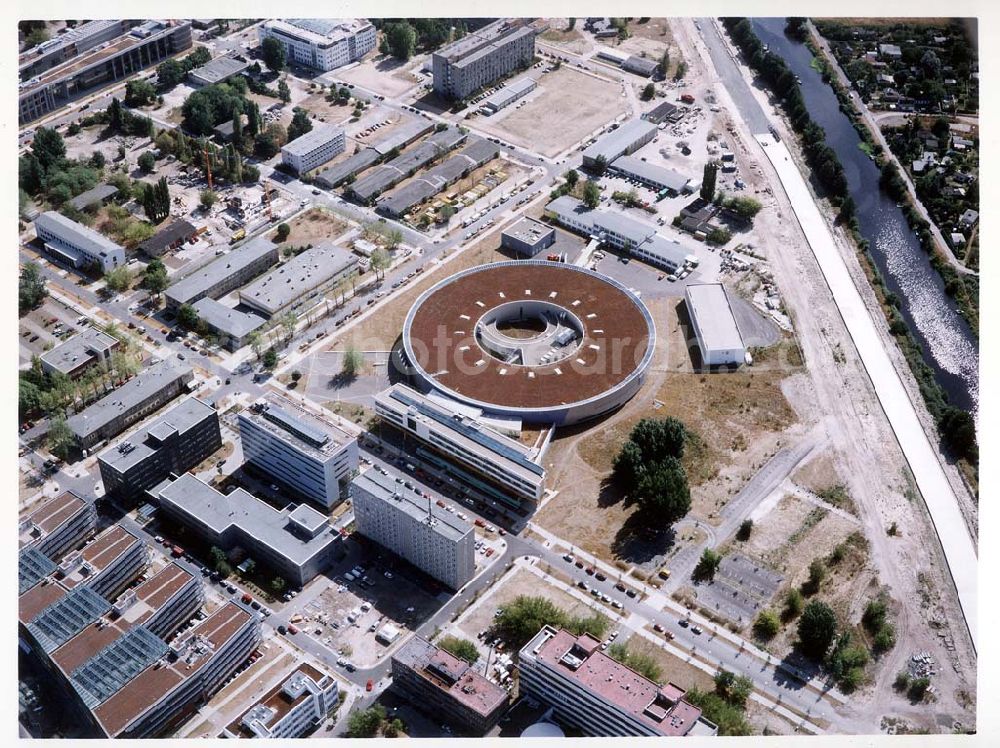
[300, 279]
[292, 709]
[310, 455]
[67, 45]
[621, 141]
[147, 44]
[593, 693]
[75, 356]
[638, 238]
[651, 175]
[171, 236]
[315, 148]
[234, 269]
[59, 525]
[446, 687]
[321, 43]
[528, 237]
[218, 70]
[297, 543]
[145, 393]
[231, 327]
[174, 443]
[481, 57]
[75, 244]
[714, 324]
[413, 527]
[463, 447]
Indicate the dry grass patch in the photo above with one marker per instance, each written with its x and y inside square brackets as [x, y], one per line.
[673, 668]
[314, 226]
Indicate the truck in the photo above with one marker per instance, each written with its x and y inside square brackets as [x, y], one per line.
[240, 233]
[687, 98]
[176, 551]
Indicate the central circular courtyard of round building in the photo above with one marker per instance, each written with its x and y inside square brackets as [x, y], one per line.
[541, 341]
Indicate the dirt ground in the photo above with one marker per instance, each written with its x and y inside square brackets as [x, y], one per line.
[570, 107]
[385, 75]
[314, 226]
[560, 35]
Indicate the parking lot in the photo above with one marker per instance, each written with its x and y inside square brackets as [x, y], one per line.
[741, 589]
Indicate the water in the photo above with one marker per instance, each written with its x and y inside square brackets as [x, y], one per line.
[950, 348]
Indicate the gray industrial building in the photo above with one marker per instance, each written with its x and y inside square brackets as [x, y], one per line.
[413, 527]
[621, 141]
[76, 244]
[95, 196]
[224, 274]
[481, 57]
[310, 455]
[300, 279]
[640, 66]
[231, 326]
[73, 357]
[171, 236]
[174, 443]
[336, 175]
[508, 94]
[476, 152]
[388, 175]
[218, 70]
[663, 112]
[528, 237]
[714, 324]
[656, 177]
[146, 392]
[314, 148]
[145, 45]
[297, 542]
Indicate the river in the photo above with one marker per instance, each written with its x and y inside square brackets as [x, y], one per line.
[949, 345]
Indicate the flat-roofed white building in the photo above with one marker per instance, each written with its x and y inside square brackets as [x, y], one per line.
[414, 527]
[470, 451]
[714, 324]
[76, 244]
[74, 356]
[300, 279]
[292, 709]
[321, 43]
[310, 455]
[315, 148]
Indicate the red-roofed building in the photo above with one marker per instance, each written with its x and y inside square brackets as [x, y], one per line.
[599, 696]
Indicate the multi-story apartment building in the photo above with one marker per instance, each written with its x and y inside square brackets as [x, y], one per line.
[292, 709]
[463, 446]
[76, 244]
[58, 525]
[74, 356]
[414, 527]
[315, 148]
[481, 57]
[599, 696]
[232, 270]
[297, 542]
[447, 687]
[174, 443]
[144, 45]
[130, 403]
[310, 455]
[322, 43]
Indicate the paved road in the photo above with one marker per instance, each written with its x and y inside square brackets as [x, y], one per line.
[729, 73]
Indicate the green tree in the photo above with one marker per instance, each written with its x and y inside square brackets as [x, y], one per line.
[461, 648]
[139, 92]
[681, 71]
[745, 207]
[36, 37]
[155, 279]
[394, 728]
[524, 616]
[707, 565]
[600, 165]
[118, 279]
[270, 359]
[379, 262]
[288, 322]
[265, 146]
[256, 342]
[662, 491]
[300, 124]
[284, 92]
[643, 664]
[48, 147]
[817, 627]
[30, 287]
[249, 567]
[296, 376]
[147, 162]
[746, 527]
[169, 73]
[59, 438]
[648, 92]
[217, 556]
[278, 585]
[354, 361]
[366, 724]
[572, 177]
[708, 181]
[793, 604]
[401, 40]
[591, 194]
[664, 64]
[272, 51]
[729, 718]
[817, 573]
[187, 317]
[282, 232]
[207, 198]
[767, 625]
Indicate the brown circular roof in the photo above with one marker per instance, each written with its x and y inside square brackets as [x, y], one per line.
[439, 336]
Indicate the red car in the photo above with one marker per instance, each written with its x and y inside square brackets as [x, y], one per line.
[369, 686]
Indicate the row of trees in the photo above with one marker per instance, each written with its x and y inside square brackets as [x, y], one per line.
[648, 469]
[524, 617]
[171, 72]
[31, 289]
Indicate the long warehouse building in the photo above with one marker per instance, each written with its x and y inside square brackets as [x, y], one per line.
[219, 277]
[76, 244]
[300, 279]
[714, 324]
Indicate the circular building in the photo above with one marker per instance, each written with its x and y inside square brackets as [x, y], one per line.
[541, 341]
[543, 730]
